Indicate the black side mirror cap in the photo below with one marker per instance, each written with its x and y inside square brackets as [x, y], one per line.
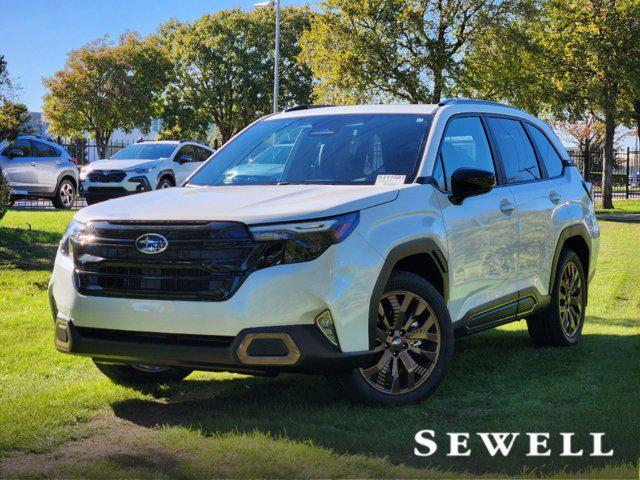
[185, 159]
[468, 182]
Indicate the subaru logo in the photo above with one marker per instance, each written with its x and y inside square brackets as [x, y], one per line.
[151, 243]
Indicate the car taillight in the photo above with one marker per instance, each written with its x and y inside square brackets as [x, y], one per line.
[74, 161]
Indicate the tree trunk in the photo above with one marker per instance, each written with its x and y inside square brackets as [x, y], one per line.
[586, 160]
[438, 84]
[607, 167]
[102, 140]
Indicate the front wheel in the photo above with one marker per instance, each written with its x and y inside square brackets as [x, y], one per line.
[141, 374]
[561, 324]
[414, 346]
[165, 182]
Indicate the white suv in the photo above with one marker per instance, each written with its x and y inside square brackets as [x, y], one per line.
[388, 231]
[142, 167]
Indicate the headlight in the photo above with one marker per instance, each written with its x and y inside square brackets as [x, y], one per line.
[73, 229]
[142, 169]
[83, 173]
[305, 241]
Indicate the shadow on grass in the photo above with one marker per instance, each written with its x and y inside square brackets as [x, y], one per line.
[498, 383]
[26, 249]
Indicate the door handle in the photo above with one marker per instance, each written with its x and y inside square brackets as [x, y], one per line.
[34, 164]
[507, 207]
[555, 197]
[58, 162]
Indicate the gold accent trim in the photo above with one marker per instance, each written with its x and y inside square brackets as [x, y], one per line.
[290, 359]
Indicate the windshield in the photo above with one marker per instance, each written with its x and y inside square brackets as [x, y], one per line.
[333, 149]
[145, 152]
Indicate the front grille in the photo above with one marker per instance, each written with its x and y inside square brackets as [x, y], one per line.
[203, 260]
[107, 176]
[107, 190]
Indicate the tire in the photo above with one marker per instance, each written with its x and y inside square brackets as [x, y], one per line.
[165, 182]
[428, 342]
[141, 374]
[560, 326]
[65, 195]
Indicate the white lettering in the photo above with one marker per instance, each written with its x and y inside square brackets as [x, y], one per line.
[566, 446]
[597, 446]
[458, 440]
[500, 444]
[537, 440]
[425, 442]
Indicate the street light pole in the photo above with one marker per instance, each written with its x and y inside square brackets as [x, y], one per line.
[276, 59]
[276, 56]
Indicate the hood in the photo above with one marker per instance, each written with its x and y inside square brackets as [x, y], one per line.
[117, 164]
[250, 204]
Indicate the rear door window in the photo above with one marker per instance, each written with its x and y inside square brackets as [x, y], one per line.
[42, 150]
[517, 154]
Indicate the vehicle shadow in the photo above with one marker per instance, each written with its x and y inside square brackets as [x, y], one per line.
[27, 249]
[498, 383]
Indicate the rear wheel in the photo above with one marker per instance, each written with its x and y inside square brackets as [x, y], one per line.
[141, 374]
[414, 346]
[561, 324]
[65, 195]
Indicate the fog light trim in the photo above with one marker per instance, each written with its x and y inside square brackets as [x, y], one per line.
[325, 324]
[290, 359]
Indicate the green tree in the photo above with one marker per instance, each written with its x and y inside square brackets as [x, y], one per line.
[13, 116]
[105, 86]
[223, 70]
[566, 58]
[406, 50]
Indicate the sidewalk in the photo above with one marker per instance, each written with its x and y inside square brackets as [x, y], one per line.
[619, 217]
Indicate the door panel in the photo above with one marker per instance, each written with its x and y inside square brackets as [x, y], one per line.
[482, 237]
[539, 205]
[185, 169]
[22, 171]
[482, 232]
[48, 166]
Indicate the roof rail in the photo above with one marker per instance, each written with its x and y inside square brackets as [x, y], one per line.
[471, 101]
[304, 107]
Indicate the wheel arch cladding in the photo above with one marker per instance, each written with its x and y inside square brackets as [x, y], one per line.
[166, 173]
[422, 257]
[575, 237]
[66, 176]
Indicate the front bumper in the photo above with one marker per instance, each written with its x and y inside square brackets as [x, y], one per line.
[340, 280]
[104, 191]
[293, 348]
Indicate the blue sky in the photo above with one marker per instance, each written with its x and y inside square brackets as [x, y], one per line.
[37, 35]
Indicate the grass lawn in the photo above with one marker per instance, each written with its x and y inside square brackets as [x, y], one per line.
[621, 206]
[61, 418]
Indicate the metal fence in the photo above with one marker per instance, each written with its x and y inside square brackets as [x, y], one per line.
[626, 172]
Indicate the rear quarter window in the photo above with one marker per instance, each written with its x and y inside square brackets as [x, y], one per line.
[548, 154]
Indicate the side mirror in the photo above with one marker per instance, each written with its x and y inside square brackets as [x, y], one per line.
[185, 159]
[15, 152]
[467, 182]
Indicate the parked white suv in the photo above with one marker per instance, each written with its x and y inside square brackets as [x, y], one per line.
[142, 167]
[388, 231]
